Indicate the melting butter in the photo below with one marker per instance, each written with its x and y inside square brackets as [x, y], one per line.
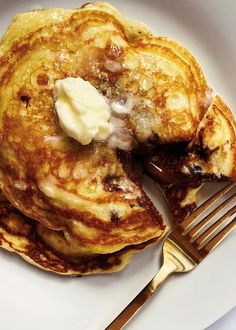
[83, 112]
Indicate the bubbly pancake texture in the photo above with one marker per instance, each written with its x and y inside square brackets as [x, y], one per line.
[20, 234]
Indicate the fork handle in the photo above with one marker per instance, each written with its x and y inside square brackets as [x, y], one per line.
[123, 318]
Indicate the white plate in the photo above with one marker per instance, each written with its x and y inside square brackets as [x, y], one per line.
[35, 300]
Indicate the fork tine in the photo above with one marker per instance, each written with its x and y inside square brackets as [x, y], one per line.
[195, 215]
[219, 237]
[211, 230]
[203, 223]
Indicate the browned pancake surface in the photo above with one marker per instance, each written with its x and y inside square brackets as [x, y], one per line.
[19, 234]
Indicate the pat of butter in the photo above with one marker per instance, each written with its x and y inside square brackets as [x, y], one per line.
[83, 112]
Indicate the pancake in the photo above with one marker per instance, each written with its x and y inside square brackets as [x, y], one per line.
[212, 152]
[210, 156]
[88, 192]
[19, 234]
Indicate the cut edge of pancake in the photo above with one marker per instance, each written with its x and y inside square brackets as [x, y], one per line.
[184, 199]
[214, 147]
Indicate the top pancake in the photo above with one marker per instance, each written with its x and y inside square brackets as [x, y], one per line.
[171, 91]
[89, 192]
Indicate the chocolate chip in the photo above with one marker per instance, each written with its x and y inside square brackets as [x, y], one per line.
[25, 99]
[115, 217]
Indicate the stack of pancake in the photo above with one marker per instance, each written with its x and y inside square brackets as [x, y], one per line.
[75, 209]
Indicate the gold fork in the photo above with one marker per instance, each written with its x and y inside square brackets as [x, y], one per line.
[184, 249]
